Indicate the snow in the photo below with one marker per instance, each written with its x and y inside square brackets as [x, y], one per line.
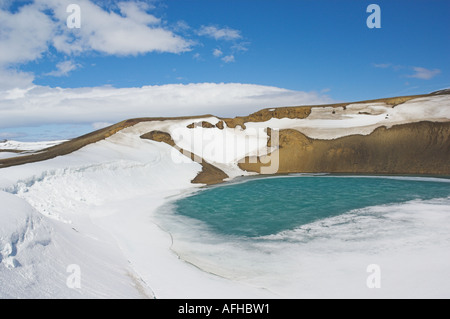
[28, 146]
[102, 199]
[4, 155]
[23, 148]
[36, 251]
[96, 208]
[363, 118]
[222, 148]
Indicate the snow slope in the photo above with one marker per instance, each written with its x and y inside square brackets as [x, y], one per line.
[35, 253]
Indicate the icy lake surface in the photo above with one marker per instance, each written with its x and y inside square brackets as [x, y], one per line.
[313, 235]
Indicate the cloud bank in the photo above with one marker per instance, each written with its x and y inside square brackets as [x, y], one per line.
[40, 105]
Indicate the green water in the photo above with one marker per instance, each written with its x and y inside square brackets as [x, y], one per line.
[267, 206]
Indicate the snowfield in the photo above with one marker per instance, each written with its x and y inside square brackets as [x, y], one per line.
[23, 148]
[96, 208]
[28, 146]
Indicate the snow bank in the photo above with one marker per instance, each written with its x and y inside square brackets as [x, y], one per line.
[35, 254]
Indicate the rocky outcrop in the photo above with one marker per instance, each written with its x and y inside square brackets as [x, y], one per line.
[298, 112]
[159, 136]
[220, 125]
[414, 148]
[206, 124]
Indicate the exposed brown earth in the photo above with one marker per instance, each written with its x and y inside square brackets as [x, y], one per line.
[206, 124]
[414, 148]
[220, 125]
[159, 136]
[209, 174]
[296, 112]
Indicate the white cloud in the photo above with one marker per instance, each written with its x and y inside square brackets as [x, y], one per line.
[423, 73]
[419, 72]
[181, 26]
[5, 4]
[395, 67]
[226, 34]
[43, 105]
[136, 11]
[28, 33]
[240, 47]
[12, 79]
[24, 35]
[217, 53]
[228, 58]
[382, 65]
[134, 32]
[63, 68]
[99, 125]
[219, 33]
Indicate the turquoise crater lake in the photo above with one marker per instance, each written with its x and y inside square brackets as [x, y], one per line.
[315, 235]
[265, 206]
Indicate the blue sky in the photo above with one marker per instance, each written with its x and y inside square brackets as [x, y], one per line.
[312, 51]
